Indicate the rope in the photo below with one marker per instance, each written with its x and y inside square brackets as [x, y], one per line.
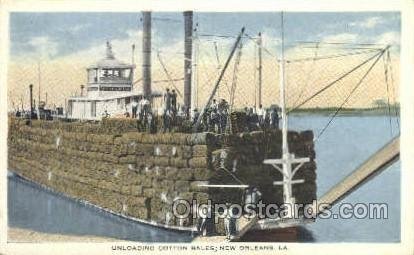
[333, 56]
[308, 76]
[232, 175]
[350, 94]
[342, 47]
[393, 86]
[219, 67]
[235, 71]
[334, 82]
[255, 52]
[263, 48]
[160, 81]
[233, 87]
[344, 43]
[168, 74]
[210, 77]
[388, 92]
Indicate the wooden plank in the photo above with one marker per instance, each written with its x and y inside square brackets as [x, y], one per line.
[378, 162]
[223, 186]
[374, 165]
[244, 225]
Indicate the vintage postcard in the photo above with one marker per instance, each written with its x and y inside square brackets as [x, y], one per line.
[159, 127]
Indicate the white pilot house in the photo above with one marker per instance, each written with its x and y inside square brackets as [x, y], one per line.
[110, 90]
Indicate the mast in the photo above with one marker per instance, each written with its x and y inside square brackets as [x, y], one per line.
[260, 68]
[132, 63]
[287, 158]
[287, 191]
[188, 48]
[194, 83]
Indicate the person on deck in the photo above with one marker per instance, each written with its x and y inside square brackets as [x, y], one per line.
[214, 105]
[18, 114]
[144, 109]
[167, 100]
[252, 119]
[174, 102]
[167, 121]
[105, 114]
[196, 114]
[274, 119]
[223, 113]
[261, 113]
[214, 121]
[134, 106]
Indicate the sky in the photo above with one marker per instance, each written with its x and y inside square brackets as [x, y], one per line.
[62, 34]
[62, 45]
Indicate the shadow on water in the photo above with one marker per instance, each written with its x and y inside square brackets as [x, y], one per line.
[32, 207]
[293, 234]
[305, 235]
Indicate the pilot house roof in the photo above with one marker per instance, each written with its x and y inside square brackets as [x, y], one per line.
[110, 61]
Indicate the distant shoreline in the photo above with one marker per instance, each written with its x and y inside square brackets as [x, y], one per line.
[393, 111]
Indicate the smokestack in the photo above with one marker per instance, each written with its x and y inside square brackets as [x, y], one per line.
[146, 53]
[31, 101]
[188, 48]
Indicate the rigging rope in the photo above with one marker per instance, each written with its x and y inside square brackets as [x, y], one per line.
[210, 77]
[219, 67]
[235, 71]
[393, 86]
[233, 88]
[335, 81]
[168, 74]
[254, 75]
[232, 175]
[350, 94]
[345, 43]
[308, 76]
[256, 43]
[334, 56]
[388, 91]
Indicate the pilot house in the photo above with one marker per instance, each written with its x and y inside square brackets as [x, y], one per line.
[109, 90]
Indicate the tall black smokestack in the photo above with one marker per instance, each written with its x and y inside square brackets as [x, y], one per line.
[146, 53]
[188, 48]
[31, 102]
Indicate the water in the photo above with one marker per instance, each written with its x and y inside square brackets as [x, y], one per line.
[345, 144]
[34, 208]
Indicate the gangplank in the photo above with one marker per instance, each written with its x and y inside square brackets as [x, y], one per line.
[374, 165]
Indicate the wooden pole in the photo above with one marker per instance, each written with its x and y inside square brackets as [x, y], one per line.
[213, 93]
[194, 82]
[188, 48]
[260, 68]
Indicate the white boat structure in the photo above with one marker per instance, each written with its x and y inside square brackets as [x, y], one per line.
[109, 90]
